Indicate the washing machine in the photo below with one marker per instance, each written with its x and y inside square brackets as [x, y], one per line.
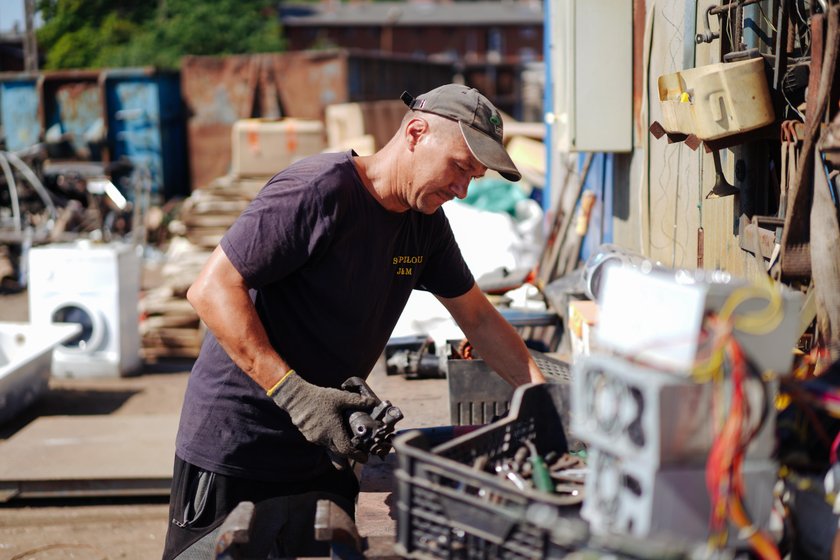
[97, 286]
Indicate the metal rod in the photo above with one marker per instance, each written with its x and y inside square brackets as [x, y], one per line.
[717, 10]
[780, 64]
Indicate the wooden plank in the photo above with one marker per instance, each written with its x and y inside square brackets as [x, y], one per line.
[89, 455]
[565, 213]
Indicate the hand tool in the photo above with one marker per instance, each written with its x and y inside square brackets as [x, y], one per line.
[540, 474]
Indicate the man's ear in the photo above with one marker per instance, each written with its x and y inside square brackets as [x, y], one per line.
[414, 130]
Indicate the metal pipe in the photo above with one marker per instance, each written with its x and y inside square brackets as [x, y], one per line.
[34, 181]
[717, 10]
[10, 183]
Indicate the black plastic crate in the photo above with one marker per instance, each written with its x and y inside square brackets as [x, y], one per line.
[477, 394]
[447, 509]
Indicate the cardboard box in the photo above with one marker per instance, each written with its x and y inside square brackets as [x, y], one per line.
[262, 147]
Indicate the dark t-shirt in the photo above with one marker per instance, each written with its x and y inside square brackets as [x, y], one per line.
[330, 271]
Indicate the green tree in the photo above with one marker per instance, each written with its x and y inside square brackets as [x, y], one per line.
[101, 33]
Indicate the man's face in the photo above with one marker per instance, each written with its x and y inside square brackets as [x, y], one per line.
[442, 170]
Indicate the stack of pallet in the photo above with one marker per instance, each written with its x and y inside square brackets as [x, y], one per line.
[169, 326]
[209, 212]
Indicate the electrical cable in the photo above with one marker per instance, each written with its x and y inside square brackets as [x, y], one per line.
[765, 18]
[35, 182]
[760, 322]
[724, 468]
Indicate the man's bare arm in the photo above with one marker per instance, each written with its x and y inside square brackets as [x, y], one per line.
[495, 339]
[220, 297]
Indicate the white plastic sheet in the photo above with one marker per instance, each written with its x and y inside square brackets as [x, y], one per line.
[488, 240]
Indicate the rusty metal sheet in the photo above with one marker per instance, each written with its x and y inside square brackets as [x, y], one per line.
[220, 90]
[382, 118]
[309, 81]
[217, 92]
[74, 103]
[209, 149]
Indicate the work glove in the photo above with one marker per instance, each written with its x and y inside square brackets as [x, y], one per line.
[319, 414]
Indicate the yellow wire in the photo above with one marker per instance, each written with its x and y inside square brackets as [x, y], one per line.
[712, 367]
[759, 322]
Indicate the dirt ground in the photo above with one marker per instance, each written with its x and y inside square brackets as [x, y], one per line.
[85, 528]
[134, 528]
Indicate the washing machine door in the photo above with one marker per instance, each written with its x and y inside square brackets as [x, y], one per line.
[93, 328]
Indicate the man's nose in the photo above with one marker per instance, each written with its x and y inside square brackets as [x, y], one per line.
[460, 189]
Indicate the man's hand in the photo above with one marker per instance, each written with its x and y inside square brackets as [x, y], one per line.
[318, 412]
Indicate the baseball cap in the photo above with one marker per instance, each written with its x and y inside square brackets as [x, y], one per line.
[480, 122]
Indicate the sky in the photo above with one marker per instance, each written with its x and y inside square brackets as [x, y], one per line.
[11, 11]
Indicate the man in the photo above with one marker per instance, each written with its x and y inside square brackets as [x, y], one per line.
[303, 292]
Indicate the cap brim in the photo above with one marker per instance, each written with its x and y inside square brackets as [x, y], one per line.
[490, 153]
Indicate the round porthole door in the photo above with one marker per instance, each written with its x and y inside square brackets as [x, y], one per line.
[92, 333]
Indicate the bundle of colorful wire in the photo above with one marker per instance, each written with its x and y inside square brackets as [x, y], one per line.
[728, 368]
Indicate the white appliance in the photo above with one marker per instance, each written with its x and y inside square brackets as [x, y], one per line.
[96, 286]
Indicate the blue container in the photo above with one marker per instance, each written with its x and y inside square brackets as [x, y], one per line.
[146, 124]
[19, 111]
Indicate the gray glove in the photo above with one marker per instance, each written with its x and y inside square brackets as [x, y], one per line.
[318, 412]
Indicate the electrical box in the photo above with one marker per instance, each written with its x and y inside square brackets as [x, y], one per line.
[591, 53]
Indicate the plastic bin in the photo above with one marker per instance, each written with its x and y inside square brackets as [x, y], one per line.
[477, 394]
[440, 512]
[716, 100]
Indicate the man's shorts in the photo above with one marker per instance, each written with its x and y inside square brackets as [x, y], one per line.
[200, 501]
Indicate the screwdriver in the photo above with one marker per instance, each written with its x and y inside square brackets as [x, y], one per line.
[540, 475]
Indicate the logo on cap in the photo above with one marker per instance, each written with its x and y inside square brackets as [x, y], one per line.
[497, 123]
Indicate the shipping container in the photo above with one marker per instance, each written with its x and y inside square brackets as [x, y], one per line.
[102, 116]
[146, 125]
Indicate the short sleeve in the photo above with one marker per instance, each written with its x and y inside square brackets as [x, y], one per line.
[279, 232]
[446, 274]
